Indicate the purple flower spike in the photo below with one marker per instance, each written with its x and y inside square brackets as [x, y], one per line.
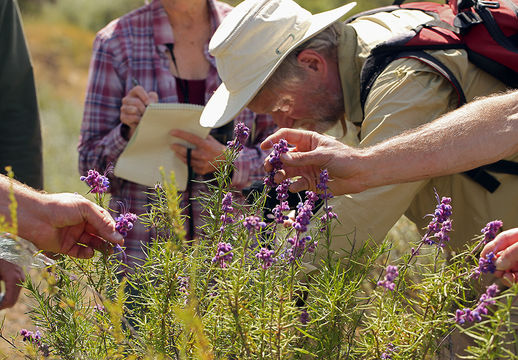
[241, 133]
[224, 255]
[390, 275]
[124, 223]
[491, 230]
[253, 223]
[275, 160]
[486, 299]
[304, 317]
[440, 226]
[266, 258]
[98, 183]
[487, 265]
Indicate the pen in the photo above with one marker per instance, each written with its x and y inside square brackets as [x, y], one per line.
[135, 82]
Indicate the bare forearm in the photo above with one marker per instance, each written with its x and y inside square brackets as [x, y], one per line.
[29, 203]
[479, 133]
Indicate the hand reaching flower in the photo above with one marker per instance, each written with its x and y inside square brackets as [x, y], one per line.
[505, 246]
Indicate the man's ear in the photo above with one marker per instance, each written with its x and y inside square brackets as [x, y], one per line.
[312, 61]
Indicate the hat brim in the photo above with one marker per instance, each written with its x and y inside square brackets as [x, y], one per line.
[223, 106]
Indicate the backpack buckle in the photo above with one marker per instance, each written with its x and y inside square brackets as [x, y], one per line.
[466, 19]
[489, 4]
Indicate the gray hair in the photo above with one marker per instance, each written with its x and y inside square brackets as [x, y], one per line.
[290, 74]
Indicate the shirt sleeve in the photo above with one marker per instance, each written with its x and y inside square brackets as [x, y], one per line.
[101, 141]
[406, 95]
[249, 164]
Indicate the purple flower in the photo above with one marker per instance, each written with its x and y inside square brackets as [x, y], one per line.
[491, 230]
[266, 258]
[224, 254]
[226, 204]
[282, 189]
[305, 212]
[226, 207]
[275, 160]
[98, 183]
[387, 354]
[391, 273]
[486, 299]
[183, 284]
[124, 222]
[241, 133]
[440, 226]
[487, 265]
[99, 308]
[253, 222]
[278, 212]
[304, 317]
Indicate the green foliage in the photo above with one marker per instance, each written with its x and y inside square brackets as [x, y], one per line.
[181, 302]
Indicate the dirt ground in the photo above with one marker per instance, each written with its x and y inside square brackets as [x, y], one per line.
[14, 319]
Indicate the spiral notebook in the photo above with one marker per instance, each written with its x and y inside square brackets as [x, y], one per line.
[148, 148]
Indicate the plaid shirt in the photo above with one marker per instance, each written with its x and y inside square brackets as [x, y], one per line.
[133, 46]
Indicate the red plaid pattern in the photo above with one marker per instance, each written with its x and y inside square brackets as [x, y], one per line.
[133, 47]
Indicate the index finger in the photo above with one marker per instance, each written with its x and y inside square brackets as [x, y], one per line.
[139, 92]
[300, 138]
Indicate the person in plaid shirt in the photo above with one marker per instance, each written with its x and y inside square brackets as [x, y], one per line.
[162, 47]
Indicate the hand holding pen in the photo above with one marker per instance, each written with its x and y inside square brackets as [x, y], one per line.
[133, 107]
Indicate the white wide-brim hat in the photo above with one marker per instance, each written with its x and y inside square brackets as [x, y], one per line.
[251, 43]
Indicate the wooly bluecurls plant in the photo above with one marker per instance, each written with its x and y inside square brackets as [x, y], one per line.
[241, 289]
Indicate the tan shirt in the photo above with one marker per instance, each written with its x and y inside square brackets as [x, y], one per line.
[405, 95]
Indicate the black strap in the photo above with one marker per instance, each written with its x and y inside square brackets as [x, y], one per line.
[184, 84]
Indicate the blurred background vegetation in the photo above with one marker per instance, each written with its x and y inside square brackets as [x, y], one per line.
[60, 35]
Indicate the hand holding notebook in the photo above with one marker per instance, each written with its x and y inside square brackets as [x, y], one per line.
[149, 147]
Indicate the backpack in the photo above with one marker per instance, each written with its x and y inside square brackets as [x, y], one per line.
[486, 30]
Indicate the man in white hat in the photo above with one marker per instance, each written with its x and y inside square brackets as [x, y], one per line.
[275, 57]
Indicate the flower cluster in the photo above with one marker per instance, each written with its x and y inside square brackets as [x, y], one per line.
[183, 284]
[491, 230]
[253, 223]
[283, 205]
[98, 183]
[302, 220]
[325, 195]
[226, 207]
[468, 315]
[485, 265]
[124, 223]
[391, 273]
[35, 339]
[266, 258]
[387, 354]
[275, 160]
[241, 133]
[440, 226]
[224, 255]
[304, 317]
[99, 308]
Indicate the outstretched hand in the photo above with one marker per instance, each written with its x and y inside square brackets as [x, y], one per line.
[68, 224]
[314, 152]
